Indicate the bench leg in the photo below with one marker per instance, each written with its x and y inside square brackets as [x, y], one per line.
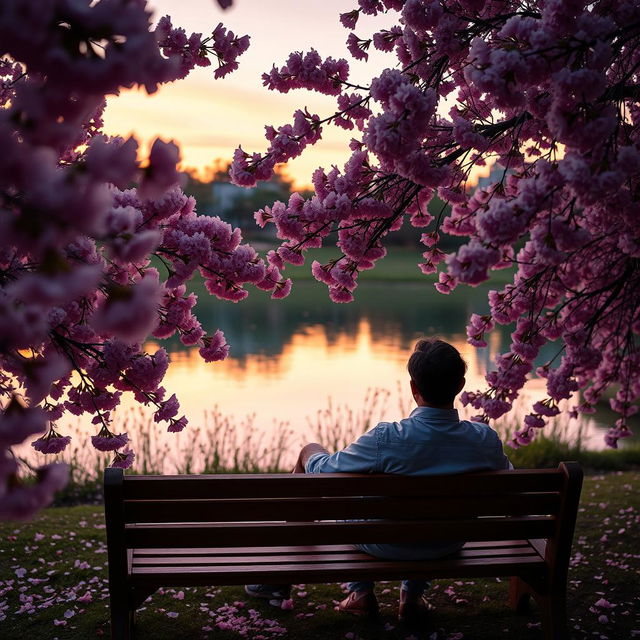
[553, 611]
[519, 595]
[553, 608]
[121, 621]
[140, 595]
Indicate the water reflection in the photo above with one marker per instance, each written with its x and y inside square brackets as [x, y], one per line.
[402, 311]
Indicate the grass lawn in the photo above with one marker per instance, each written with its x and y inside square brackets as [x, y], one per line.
[53, 584]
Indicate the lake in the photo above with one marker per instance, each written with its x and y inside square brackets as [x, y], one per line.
[305, 364]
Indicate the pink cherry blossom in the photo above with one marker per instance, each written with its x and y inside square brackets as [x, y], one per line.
[107, 441]
[24, 500]
[161, 173]
[18, 422]
[53, 442]
[168, 409]
[130, 312]
[123, 460]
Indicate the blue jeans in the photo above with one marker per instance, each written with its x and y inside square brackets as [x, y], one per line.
[416, 587]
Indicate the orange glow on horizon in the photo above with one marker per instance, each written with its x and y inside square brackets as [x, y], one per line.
[208, 125]
[210, 118]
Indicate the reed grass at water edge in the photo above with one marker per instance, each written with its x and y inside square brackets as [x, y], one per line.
[224, 444]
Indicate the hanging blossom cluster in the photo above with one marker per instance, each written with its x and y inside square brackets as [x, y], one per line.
[549, 91]
[78, 294]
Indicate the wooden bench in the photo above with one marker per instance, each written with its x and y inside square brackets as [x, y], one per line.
[181, 531]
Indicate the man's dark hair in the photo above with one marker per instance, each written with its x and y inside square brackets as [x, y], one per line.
[437, 369]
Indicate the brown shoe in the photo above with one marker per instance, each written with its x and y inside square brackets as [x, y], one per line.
[413, 611]
[360, 603]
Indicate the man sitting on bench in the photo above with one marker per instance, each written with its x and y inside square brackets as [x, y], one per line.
[432, 440]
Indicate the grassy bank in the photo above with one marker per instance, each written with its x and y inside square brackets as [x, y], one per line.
[53, 583]
[399, 265]
[545, 453]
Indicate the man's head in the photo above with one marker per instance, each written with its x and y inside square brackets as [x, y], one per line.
[437, 372]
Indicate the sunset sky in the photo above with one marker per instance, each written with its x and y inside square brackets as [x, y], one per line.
[210, 118]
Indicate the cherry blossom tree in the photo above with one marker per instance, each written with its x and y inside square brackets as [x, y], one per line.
[546, 88]
[80, 219]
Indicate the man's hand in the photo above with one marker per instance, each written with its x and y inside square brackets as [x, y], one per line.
[306, 452]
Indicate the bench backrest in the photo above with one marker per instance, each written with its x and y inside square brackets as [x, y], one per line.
[280, 509]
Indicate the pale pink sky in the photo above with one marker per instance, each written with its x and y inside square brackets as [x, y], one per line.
[210, 118]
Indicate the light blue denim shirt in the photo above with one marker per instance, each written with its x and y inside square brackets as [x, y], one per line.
[428, 442]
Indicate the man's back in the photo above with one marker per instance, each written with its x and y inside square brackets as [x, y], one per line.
[430, 441]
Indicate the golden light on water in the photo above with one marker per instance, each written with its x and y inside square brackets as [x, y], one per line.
[313, 366]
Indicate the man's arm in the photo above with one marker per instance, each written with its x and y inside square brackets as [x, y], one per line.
[360, 456]
[306, 452]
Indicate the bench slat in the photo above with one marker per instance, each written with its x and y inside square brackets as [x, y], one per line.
[338, 485]
[486, 544]
[336, 572]
[286, 533]
[301, 509]
[248, 559]
[149, 561]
